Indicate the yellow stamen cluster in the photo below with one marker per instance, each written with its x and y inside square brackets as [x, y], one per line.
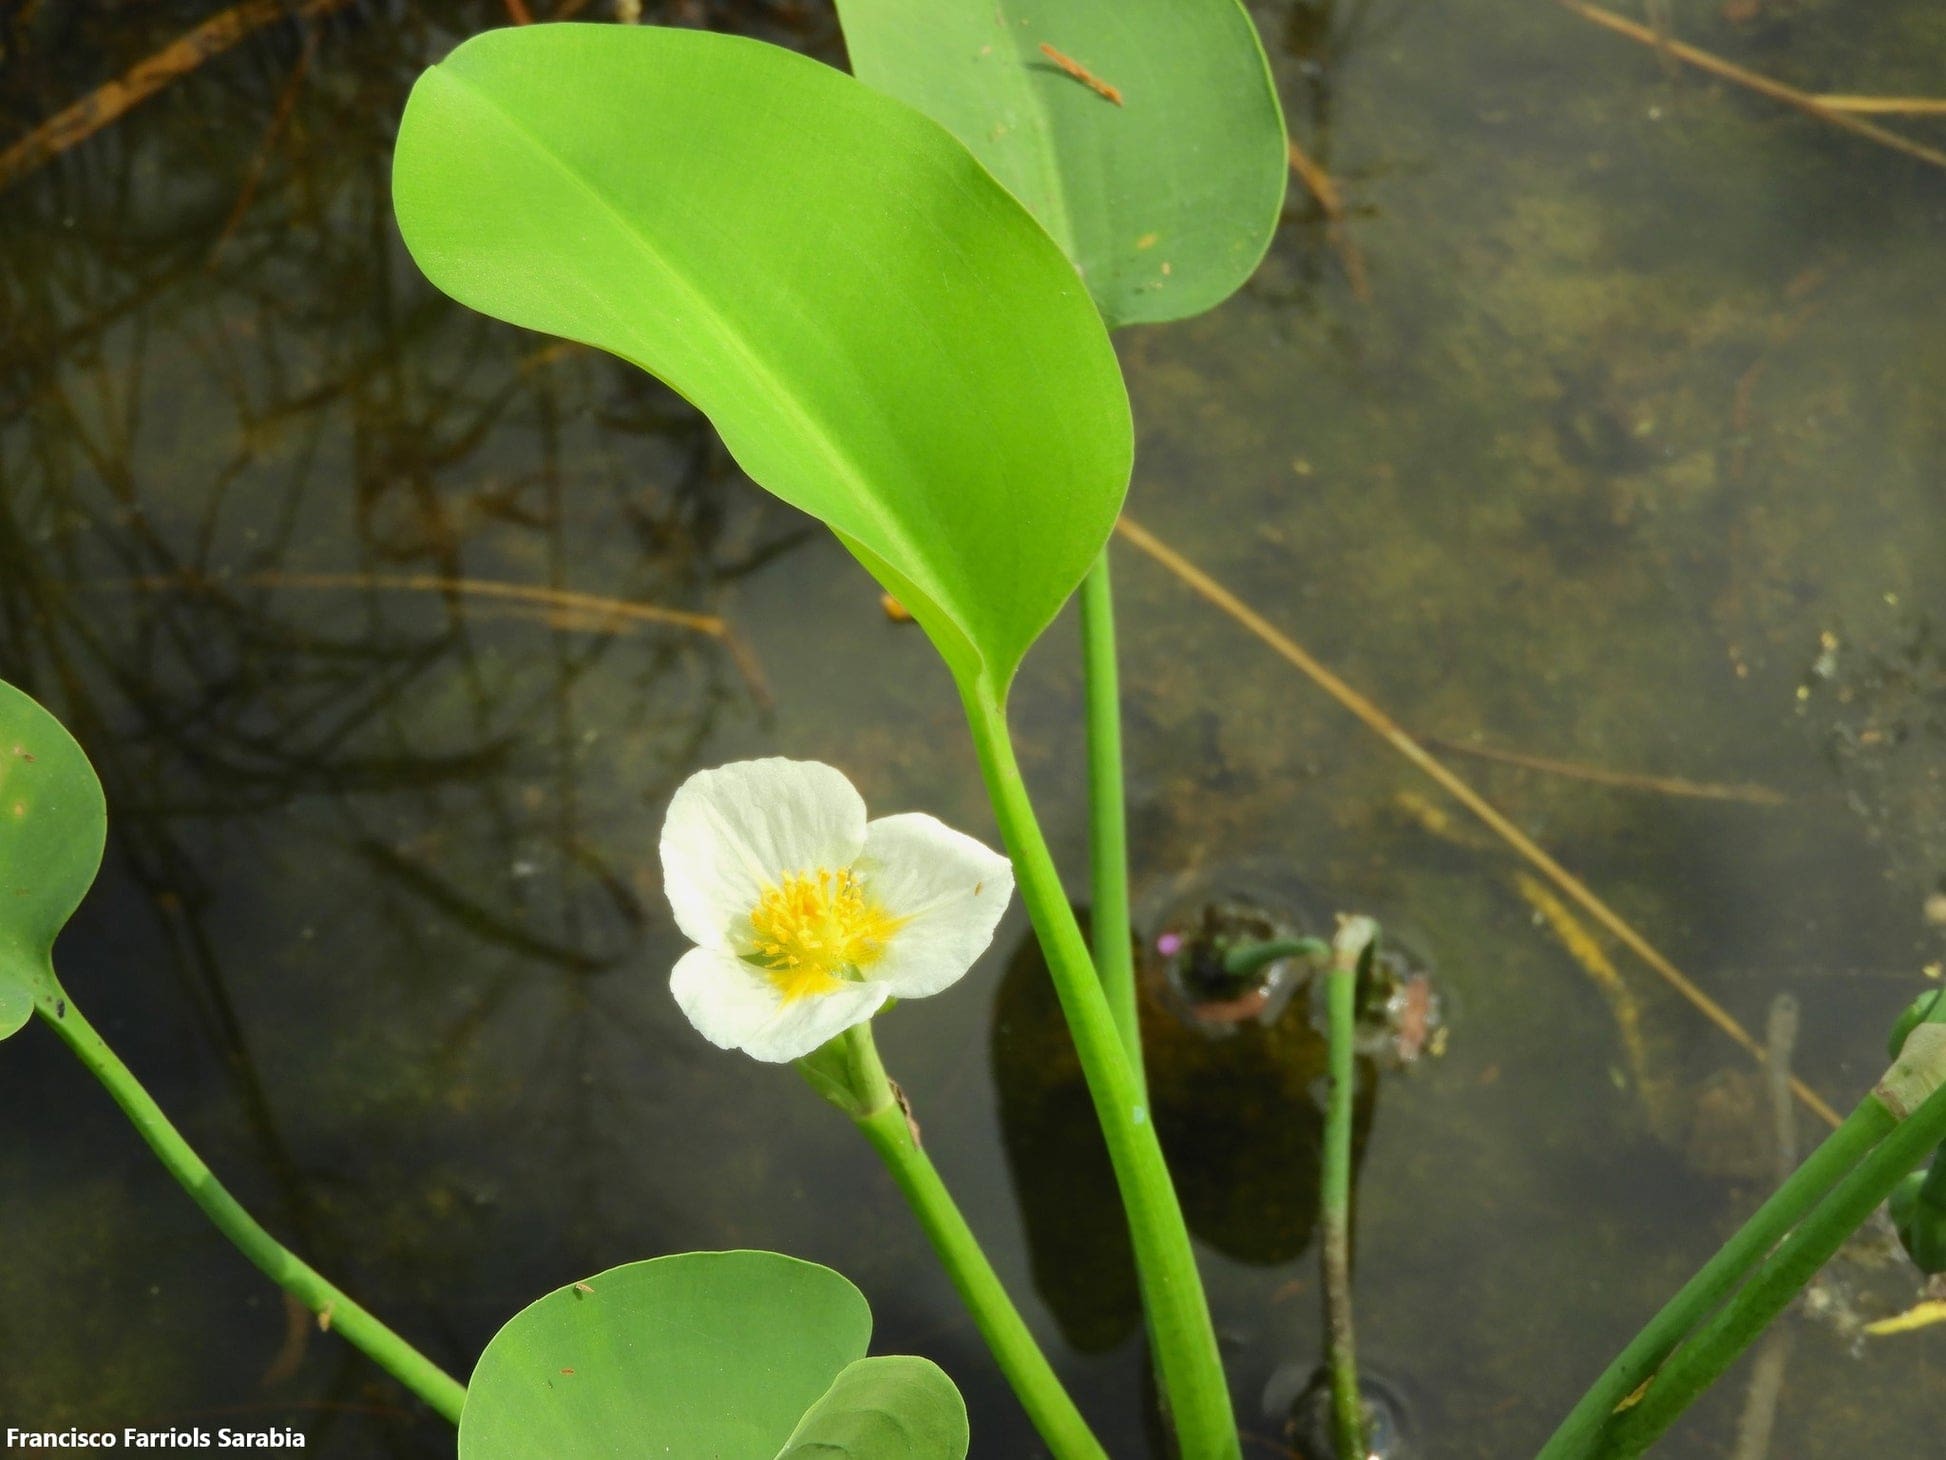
[815, 930]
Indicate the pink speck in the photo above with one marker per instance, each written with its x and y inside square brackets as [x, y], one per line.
[1169, 944]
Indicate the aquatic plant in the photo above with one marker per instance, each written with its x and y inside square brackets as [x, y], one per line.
[918, 364]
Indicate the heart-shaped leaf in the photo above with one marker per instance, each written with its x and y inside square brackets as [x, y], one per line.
[890, 1408]
[883, 336]
[1145, 134]
[53, 825]
[715, 1354]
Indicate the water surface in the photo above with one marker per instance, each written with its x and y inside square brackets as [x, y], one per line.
[1632, 457]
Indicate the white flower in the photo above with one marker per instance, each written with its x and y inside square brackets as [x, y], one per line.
[805, 918]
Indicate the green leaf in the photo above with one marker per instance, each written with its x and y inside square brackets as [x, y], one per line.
[1165, 202]
[882, 335]
[53, 825]
[715, 1354]
[890, 1408]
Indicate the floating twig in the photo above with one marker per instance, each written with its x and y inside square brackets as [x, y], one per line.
[587, 612]
[1082, 74]
[279, 119]
[1903, 106]
[1920, 1315]
[1588, 956]
[1776, 90]
[106, 103]
[1332, 204]
[1381, 724]
[1780, 1043]
[1628, 780]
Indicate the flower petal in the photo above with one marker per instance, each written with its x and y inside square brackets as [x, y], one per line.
[803, 1024]
[739, 828]
[734, 1006]
[948, 889]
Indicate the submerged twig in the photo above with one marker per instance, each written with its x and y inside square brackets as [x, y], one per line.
[106, 103]
[588, 612]
[1759, 1417]
[1780, 1043]
[1387, 729]
[1602, 973]
[1332, 204]
[280, 117]
[557, 598]
[1629, 780]
[1905, 106]
[1776, 90]
[1920, 1315]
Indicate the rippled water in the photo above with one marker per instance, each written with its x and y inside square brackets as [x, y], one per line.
[1632, 458]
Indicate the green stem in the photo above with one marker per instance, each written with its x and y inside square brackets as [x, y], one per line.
[384, 1347]
[1107, 815]
[1863, 1129]
[1172, 1289]
[1040, 1390]
[847, 1072]
[1698, 1363]
[1248, 959]
[1349, 949]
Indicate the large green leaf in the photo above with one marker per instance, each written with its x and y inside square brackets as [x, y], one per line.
[889, 1408]
[714, 1354]
[881, 333]
[1166, 200]
[53, 824]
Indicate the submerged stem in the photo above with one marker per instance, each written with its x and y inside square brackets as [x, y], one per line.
[1107, 815]
[1351, 949]
[283, 1267]
[1172, 1289]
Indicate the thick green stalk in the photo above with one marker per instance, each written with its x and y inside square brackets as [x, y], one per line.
[1699, 1362]
[1172, 1289]
[1863, 1129]
[347, 1319]
[1020, 1358]
[1334, 1194]
[1107, 814]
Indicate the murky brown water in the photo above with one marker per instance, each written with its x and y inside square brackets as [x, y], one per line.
[1632, 458]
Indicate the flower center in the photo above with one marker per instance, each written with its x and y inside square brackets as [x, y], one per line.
[815, 930]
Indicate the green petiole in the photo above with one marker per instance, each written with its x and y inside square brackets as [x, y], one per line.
[283, 1267]
[1107, 814]
[1172, 1290]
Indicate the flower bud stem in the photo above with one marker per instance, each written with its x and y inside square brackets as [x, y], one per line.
[347, 1319]
[1187, 1359]
[1355, 944]
[1107, 815]
[1014, 1347]
[1246, 960]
